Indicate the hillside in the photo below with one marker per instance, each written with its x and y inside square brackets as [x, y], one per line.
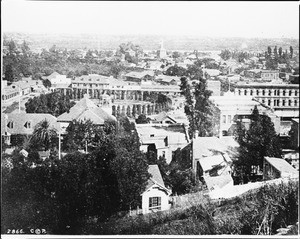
[258, 212]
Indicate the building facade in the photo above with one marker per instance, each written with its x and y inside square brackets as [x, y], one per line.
[283, 98]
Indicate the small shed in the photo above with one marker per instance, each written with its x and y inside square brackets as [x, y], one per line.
[156, 195]
[278, 168]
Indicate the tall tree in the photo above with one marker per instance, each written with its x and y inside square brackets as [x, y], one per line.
[291, 52]
[275, 52]
[198, 107]
[44, 135]
[280, 52]
[258, 141]
[9, 74]
[269, 51]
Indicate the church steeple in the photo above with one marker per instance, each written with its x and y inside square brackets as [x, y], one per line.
[162, 51]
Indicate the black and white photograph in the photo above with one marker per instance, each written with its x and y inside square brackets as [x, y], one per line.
[149, 119]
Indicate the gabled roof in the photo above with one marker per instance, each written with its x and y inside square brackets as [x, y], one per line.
[218, 181]
[139, 75]
[209, 146]
[208, 163]
[156, 178]
[92, 78]
[281, 165]
[162, 116]
[85, 109]
[19, 121]
[53, 75]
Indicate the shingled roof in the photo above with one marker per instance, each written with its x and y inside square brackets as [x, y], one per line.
[209, 146]
[85, 109]
[282, 166]
[156, 178]
[24, 123]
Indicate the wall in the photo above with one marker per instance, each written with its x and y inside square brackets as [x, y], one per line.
[154, 192]
[269, 172]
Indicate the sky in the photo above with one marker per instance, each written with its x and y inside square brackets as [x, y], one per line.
[211, 19]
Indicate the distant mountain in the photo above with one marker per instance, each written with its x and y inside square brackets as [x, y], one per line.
[149, 42]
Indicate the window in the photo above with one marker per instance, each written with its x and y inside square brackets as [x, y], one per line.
[245, 92]
[269, 102]
[251, 92]
[263, 92]
[296, 103]
[296, 92]
[283, 102]
[283, 93]
[290, 92]
[224, 119]
[27, 125]
[290, 102]
[10, 124]
[151, 135]
[155, 203]
[164, 154]
[257, 92]
[229, 118]
[270, 92]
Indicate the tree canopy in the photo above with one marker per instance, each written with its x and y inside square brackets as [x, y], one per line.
[61, 195]
[258, 141]
[202, 115]
[53, 103]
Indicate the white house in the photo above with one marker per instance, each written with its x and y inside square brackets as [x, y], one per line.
[156, 195]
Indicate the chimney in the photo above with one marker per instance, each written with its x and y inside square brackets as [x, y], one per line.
[196, 134]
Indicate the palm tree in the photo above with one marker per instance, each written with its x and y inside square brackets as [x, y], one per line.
[43, 134]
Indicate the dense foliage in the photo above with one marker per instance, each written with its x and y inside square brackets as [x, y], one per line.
[258, 141]
[202, 115]
[61, 195]
[258, 212]
[53, 103]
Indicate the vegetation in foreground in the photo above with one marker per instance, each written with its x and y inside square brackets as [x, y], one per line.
[259, 212]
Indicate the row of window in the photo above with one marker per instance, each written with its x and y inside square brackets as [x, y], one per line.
[268, 92]
[27, 125]
[6, 97]
[276, 102]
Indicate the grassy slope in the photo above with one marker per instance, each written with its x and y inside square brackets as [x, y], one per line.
[261, 211]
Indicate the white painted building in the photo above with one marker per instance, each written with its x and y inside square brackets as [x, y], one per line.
[156, 196]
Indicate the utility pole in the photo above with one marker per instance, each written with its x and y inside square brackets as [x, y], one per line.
[59, 142]
[19, 98]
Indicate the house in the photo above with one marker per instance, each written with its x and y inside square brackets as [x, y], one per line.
[85, 109]
[156, 195]
[278, 168]
[233, 107]
[161, 139]
[23, 124]
[25, 86]
[168, 80]
[212, 157]
[51, 76]
[138, 77]
[216, 171]
[264, 75]
[211, 73]
[164, 118]
[214, 86]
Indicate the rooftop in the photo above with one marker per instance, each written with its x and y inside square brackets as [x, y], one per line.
[86, 109]
[281, 165]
